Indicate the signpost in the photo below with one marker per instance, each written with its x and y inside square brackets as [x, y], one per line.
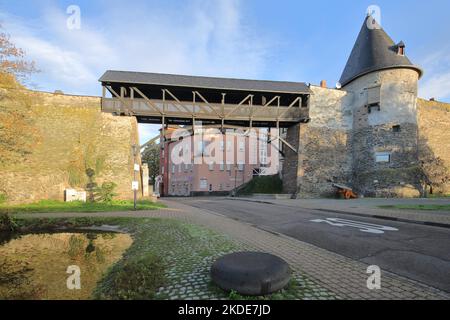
[135, 184]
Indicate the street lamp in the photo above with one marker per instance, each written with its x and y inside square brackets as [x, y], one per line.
[134, 186]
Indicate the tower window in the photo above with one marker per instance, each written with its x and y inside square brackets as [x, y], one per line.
[373, 106]
[396, 128]
[382, 157]
[373, 98]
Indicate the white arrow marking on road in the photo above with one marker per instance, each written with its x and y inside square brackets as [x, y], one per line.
[362, 226]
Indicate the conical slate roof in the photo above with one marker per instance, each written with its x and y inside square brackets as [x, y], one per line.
[374, 50]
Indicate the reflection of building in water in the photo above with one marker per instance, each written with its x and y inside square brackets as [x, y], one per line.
[41, 261]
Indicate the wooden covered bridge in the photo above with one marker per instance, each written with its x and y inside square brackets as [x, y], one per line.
[221, 102]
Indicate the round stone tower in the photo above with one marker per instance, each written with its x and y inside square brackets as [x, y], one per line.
[382, 82]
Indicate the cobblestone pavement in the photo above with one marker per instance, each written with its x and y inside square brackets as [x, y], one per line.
[189, 279]
[343, 277]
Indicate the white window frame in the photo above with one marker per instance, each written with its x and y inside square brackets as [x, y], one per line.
[203, 184]
[241, 146]
[382, 157]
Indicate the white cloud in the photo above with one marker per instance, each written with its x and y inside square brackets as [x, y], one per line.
[202, 37]
[436, 81]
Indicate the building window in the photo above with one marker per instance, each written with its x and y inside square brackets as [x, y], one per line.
[211, 167]
[200, 148]
[203, 183]
[373, 107]
[173, 168]
[222, 167]
[229, 145]
[241, 167]
[162, 170]
[222, 146]
[382, 157]
[396, 128]
[241, 146]
[228, 167]
[373, 98]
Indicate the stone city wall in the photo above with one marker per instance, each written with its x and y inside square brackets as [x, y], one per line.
[70, 135]
[434, 133]
[324, 146]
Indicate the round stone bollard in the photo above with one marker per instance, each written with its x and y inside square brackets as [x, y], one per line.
[251, 273]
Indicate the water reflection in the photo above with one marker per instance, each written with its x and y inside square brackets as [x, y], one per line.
[34, 266]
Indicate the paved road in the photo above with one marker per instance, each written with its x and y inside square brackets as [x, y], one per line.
[419, 252]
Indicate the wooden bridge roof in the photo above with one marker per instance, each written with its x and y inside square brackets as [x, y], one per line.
[159, 79]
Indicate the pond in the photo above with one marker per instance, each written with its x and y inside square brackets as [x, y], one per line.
[36, 266]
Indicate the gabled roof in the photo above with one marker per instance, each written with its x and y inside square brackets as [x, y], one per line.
[203, 82]
[374, 50]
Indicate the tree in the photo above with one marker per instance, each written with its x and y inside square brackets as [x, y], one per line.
[17, 132]
[12, 58]
[150, 155]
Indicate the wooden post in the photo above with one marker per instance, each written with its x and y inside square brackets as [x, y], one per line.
[122, 96]
[194, 108]
[163, 118]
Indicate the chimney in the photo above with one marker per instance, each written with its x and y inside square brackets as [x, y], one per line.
[323, 83]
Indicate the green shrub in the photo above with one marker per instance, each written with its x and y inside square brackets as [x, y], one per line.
[263, 184]
[7, 223]
[105, 193]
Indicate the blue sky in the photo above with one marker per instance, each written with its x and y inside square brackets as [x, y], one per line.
[258, 39]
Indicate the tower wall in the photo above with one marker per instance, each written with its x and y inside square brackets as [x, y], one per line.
[390, 130]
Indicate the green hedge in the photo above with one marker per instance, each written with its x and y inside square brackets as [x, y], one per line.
[263, 184]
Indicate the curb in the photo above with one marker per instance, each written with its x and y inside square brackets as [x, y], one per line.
[426, 223]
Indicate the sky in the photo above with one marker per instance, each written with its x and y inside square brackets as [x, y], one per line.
[291, 40]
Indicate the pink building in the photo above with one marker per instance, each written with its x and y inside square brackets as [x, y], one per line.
[235, 159]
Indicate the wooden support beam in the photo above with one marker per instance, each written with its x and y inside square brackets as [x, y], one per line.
[124, 105]
[282, 140]
[148, 101]
[237, 106]
[290, 106]
[207, 103]
[164, 102]
[163, 132]
[200, 106]
[178, 102]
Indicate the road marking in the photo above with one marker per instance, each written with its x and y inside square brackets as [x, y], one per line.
[362, 226]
